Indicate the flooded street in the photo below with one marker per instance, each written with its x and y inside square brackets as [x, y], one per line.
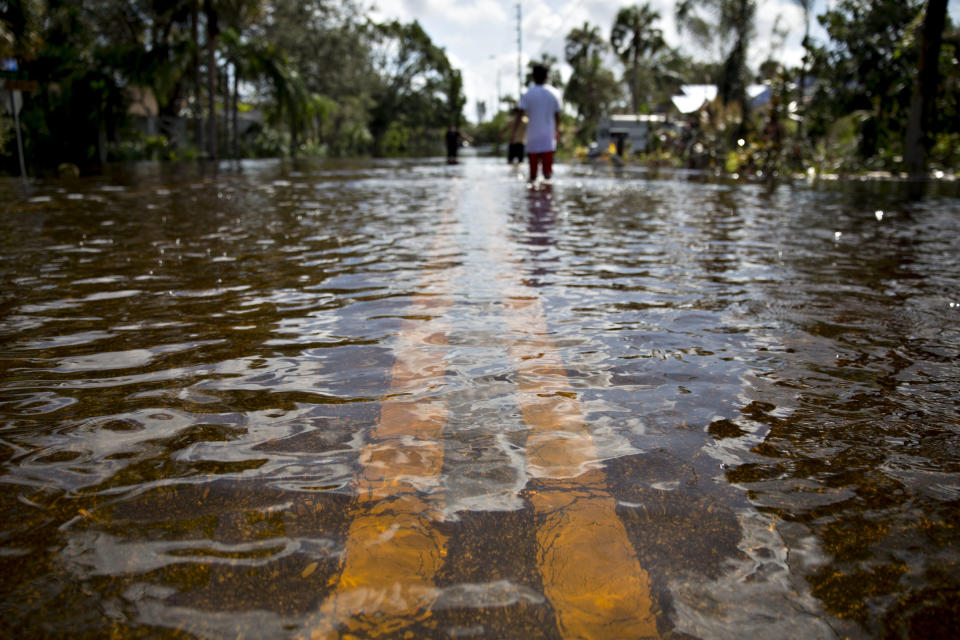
[402, 399]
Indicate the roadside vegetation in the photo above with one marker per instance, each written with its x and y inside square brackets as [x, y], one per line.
[180, 79]
[881, 95]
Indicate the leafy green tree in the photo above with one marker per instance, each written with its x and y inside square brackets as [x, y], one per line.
[148, 47]
[79, 104]
[634, 39]
[331, 48]
[455, 98]
[865, 72]
[418, 91]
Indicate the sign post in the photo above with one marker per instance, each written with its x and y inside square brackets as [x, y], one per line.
[15, 108]
[14, 86]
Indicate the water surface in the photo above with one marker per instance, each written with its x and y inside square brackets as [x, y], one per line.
[411, 400]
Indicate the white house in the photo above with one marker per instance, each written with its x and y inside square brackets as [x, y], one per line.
[627, 131]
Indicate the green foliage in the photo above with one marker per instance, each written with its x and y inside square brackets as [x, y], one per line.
[7, 134]
[270, 143]
[143, 147]
[395, 141]
[494, 132]
[866, 73]
[945, 153]
[325, 79]
[416, 90]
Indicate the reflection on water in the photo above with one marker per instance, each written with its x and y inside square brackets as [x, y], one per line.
[405, 399]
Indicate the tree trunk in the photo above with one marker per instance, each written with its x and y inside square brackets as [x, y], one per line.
[802, 85]
[227, 102]
[102, 141]
[294, 142]
[212, 31]
[925, 87]
[235, 109]
[197, 80]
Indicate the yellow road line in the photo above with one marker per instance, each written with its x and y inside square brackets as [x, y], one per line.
[394, 548]
[589, 569]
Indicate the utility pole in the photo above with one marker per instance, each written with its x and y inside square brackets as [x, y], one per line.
[519, 63]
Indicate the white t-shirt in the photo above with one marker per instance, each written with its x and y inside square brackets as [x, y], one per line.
[541, 104]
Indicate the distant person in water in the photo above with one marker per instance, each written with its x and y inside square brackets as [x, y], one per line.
[542, 107]
[518, 131]
[454, 139]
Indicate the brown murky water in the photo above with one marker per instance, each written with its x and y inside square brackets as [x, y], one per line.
[408, 400]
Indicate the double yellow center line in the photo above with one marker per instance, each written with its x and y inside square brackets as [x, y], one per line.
[394, 549]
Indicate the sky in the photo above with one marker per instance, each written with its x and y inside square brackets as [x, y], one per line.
[480, 36]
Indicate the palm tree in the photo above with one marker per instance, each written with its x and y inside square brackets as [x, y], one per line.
[633, 37]
[592, 86]
[584, 45]
[731, 20]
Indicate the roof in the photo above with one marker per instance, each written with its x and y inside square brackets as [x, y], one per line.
[694, 96]
[631, 119]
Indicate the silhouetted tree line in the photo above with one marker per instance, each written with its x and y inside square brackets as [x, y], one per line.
[319, 76]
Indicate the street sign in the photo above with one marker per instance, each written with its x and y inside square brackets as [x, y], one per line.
[12, 101]
[19, 85]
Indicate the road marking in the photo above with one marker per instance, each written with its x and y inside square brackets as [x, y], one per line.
[394, 548]
[589, 569]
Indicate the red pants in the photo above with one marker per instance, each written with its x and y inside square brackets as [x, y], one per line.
[546, 159]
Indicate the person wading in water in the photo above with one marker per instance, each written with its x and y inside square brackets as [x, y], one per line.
[542, 107]
[454, 139]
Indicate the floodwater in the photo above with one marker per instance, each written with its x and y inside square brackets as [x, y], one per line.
[411, 400]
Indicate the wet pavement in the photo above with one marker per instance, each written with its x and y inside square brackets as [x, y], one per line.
[401, 399]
